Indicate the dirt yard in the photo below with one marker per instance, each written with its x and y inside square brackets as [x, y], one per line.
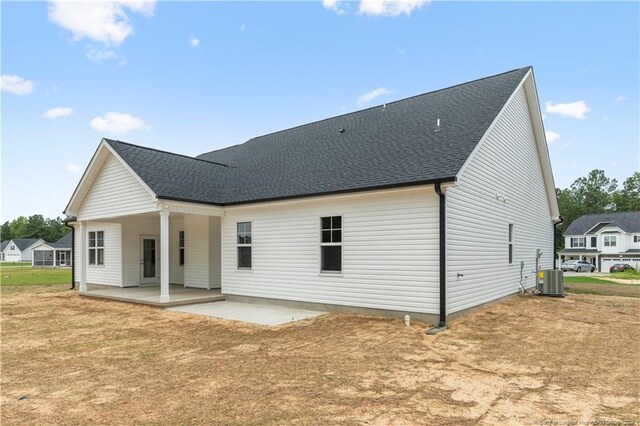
[528, 360]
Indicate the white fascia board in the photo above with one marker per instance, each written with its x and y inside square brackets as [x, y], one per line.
[541, 142]
[74, 204]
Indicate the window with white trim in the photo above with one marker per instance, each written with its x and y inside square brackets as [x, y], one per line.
[610, 240]
[636, 238]
[96, 248]
[181, 247]
[331, 244]
[594, 242]
[510, 243]
[244, 245]
[578, 242]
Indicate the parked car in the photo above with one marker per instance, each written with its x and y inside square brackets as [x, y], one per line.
[577, 266]
[621, 267]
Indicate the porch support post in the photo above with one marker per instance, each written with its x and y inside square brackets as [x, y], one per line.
[54, 258]
[82, 249]
[164, 256]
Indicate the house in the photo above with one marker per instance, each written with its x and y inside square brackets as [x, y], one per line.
[53, 254]
[18, 249]
[604, 239]
[426, 206]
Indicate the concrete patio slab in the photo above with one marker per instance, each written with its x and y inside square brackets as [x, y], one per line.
[178, 295]
[250, 312]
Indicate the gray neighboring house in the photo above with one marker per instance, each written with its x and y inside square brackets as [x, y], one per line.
[18, 249]
[604, 239]
[54, 254]
[428, 206]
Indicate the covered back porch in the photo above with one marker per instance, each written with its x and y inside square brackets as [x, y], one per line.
[166, 257]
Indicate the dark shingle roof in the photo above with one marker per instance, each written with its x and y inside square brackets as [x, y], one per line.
[627, 221]
[379, 147]
[64, 242]
[3, 244]
[577, 250]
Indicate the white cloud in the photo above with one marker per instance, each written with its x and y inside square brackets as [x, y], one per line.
[100, 54]
[15, 84]
[576, 109]
[103, 21]
[57, 112]
[115, 122]
[551, 136]
[369, 96]
[390, 7]
[620, 98]
[194, 42]
[333, 5]
[72, 168]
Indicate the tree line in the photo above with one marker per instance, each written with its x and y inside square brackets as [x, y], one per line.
[596, 193]
[35, 226]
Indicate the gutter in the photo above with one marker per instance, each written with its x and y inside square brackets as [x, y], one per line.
[73, 251]
[555, 251]
[442, 324]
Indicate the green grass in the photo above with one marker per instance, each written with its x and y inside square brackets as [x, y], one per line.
[594, 280]
[626, 275]
[38, 276]
[5, 264]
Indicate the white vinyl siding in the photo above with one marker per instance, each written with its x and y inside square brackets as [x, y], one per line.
[196, 235]
[390, 251]
[176, 271]
[506, 164]
[115, 192]
[111, 272]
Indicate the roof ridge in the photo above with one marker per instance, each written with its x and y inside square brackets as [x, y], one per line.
[373, 107]
[165, 152]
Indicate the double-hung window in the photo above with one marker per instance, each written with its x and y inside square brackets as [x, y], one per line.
[181, 247]
[331, 244]
[594, 242]
[510, 243]
[96, 248]
[244, 245]
[578, 242]
[610, 240]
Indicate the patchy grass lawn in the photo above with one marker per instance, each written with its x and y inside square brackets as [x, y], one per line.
[602, 286]
[34, 276]
[74, 360]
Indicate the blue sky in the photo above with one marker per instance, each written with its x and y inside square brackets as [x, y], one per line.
[193, 77]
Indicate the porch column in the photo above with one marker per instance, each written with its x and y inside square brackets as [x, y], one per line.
[164, 256]
[54, 258]
[82, 250]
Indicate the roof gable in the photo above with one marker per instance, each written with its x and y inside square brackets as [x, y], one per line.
[627, 221]
[23, 243]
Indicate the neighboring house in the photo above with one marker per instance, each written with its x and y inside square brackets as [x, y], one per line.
[19, 249]
[3, 245]
[426, 206]
[53, 254]
[604, 239]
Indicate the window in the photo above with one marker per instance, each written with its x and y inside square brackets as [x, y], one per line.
[12, 247]
[610, 240]
[96, 248]
[594, 241]
[510, 243]
[331, 244]
[578, 242]
[636, 238]
[244, 245]
[181, 247]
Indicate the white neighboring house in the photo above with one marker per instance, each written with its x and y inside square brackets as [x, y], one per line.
[604, 239]
[426, 206]
[18, 249]
[53, 254]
